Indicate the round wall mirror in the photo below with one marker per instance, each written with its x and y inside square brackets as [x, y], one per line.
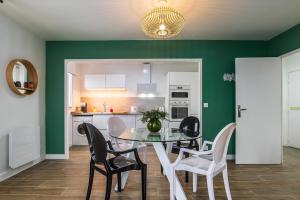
[21, 77]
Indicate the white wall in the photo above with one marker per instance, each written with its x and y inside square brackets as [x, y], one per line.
[133, 72]
[17, 42]
[73, 69]
[289, 63]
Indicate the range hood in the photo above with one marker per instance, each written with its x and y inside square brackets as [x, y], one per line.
[146, 88]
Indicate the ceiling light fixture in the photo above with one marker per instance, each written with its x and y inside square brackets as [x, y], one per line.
[162, 22]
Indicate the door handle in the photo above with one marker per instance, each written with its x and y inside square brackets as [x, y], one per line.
[240, 111]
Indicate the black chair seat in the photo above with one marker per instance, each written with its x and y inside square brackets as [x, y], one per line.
[121, 162]
[99, 148]
[176, 147]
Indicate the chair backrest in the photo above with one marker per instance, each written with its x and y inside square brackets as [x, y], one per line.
[116, 124]
[190, 124]
[97, 142]
[220, 144]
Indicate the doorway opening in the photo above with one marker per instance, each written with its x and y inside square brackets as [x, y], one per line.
[123, 73]
[291, 99]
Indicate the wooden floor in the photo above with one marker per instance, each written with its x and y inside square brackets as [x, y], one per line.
[67, 179]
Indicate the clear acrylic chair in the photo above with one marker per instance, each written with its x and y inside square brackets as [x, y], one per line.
[116, 124]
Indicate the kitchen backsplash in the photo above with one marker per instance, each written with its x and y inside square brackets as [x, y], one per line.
[122, 104]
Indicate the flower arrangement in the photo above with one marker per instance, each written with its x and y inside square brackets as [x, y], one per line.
[153, 118]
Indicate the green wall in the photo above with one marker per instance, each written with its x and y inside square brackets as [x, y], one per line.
[218, 58]
[285, 42]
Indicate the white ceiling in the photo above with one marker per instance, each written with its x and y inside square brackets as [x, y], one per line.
[120, 19]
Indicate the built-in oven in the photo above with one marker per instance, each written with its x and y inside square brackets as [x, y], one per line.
[179, 110]
[179, 92]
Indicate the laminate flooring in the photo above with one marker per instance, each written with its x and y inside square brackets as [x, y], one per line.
[67, 179]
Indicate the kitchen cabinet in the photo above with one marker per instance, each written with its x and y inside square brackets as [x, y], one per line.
[174, 125]
[104, 81]
[129, 120]
[180, 78]
[165, 124]
[195, 92]
[100, 121]
[115, 81]
[94, 81]
[188, 78]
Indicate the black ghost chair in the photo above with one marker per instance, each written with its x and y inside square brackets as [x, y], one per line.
[191, 127]
[99, 148]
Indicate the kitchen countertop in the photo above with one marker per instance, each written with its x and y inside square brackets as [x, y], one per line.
[103, 113]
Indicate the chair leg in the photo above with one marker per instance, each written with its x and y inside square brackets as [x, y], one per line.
[144, 182]
[226, 184]
[186, 177]
[186, 173]
[91, 180]
[172, 184]
[108, 187]
[210, 187]
[197, 145]
[119, 182]
[145, 155]
[195, 182]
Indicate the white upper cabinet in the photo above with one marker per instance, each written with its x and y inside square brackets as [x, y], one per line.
[115, 81]
[104, 81]
[181, 78]
[94, 81]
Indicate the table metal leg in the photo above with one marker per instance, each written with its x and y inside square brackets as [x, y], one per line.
[165, 162]
[169, 146]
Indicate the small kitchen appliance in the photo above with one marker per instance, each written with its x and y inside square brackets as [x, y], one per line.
[133, 109]
[83, 107]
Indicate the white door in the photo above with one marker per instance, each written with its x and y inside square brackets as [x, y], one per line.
[258, 90]
[294, 109]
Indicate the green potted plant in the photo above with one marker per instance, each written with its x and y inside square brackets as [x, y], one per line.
[153, 118]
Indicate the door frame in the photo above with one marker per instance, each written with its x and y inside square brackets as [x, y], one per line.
[66, 108]
[285, 96]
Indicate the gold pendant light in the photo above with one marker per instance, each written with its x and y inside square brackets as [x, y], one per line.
[162, 22]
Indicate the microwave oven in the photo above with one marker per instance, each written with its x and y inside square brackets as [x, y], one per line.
[179, 92]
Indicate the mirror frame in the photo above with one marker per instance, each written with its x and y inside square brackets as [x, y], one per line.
[32, 74]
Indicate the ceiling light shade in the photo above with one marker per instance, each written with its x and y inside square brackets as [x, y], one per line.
[162, 22]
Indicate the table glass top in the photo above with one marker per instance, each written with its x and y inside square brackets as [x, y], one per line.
[144, 135]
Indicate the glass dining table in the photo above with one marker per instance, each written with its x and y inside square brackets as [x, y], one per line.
[165, 135]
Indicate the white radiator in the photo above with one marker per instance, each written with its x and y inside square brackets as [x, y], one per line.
[24, 145]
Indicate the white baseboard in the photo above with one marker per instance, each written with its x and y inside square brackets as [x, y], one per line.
[56, 157]
[11, 172]
[230, 157]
